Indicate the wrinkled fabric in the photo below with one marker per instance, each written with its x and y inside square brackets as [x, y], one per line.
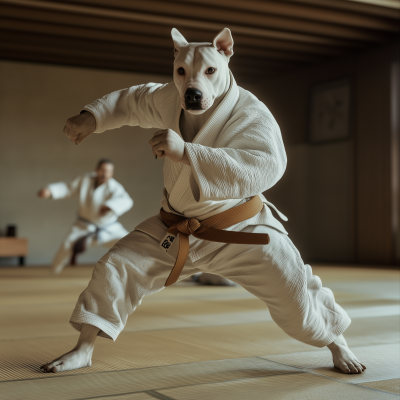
[237, 154]
[275, 273]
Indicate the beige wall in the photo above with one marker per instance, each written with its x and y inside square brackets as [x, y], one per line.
[35, 101]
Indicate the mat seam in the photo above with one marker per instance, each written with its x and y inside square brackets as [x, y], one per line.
[182, 386]
[334, 379]
[158, 396]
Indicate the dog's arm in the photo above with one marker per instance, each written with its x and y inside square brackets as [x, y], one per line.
[147, 106]
[250, 160]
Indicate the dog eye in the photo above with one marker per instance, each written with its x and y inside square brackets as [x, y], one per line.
[181, 71]
[210, 70]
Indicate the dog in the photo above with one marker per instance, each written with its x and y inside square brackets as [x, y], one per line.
[223, 149]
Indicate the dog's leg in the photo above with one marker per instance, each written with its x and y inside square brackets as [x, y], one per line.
[80, 356]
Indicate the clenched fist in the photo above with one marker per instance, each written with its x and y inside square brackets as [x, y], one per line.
[104, 210]
[168, 143]
[80, 127]
[44, 193]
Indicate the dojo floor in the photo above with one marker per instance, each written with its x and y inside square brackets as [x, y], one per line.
[191, 342]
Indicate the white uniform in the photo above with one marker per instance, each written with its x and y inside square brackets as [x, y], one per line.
[238, 153]
[106, 230]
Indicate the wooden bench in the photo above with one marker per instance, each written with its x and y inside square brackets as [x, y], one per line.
[14, 247]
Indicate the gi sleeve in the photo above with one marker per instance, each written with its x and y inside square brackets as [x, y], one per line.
[61, 190]
[120, 201]
[152, 105]
[252, 160]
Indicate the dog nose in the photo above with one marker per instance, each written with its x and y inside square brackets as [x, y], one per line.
[193, 97]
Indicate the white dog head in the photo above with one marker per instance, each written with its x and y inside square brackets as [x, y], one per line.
[201, 70]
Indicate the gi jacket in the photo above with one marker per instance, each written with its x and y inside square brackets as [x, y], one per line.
[111, 194]
[237, 154]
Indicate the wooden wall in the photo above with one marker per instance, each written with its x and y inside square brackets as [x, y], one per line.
[338, 196]
[270, 36]
[375, 242]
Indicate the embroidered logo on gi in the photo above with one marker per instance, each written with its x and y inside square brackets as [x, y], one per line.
[167, 242]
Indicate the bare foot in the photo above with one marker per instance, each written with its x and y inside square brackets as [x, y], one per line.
[57, 270]
[343, 357]
[80, 356]
[77, 358]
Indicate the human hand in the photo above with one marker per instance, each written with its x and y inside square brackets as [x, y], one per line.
[44, 193]
[167, 143]
[80, 127]
[104, 210]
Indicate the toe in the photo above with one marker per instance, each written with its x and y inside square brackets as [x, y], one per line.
[359, 367]
[58, 368]
[45, 366]
[352, 368]
[343, 367]
[363, 366]
[357, 363]
[49, 367]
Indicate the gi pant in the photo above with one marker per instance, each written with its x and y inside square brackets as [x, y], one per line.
[275, 273]
[107, 238]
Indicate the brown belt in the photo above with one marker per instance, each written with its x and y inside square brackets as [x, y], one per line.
[212, 229]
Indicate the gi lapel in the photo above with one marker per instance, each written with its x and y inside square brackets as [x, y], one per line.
[206, 137]
[213, 126]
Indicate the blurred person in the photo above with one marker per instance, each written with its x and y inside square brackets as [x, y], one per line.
[101, 201]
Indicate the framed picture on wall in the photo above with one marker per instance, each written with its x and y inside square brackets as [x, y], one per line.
[330, 111]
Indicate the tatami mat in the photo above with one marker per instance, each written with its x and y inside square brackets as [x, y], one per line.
[283, 387]
[136, 396]
[192, 342]
[20, 359]
[382, 361]
[388, 385]
[144, 379]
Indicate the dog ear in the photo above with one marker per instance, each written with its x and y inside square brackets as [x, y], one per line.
[178, 39]
[223, 42]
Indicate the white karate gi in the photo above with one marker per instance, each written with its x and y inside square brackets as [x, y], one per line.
[106, 230]
[237, 154]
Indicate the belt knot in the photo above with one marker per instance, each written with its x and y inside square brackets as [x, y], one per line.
[213, 230]
[188, 226]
